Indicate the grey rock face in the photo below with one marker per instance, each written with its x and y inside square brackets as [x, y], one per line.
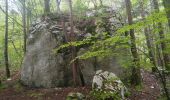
[42, 67]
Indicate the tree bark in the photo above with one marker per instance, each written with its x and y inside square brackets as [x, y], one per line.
[47, 6]
[75, 68]
[136, 76]
[165, 59]
[24, 25]
[101, 2]
[58, 5]
[28, 20]
[73, 49]
[6, 42]
[162, 37]
[12, 41]
[166, 4]
[148, 39]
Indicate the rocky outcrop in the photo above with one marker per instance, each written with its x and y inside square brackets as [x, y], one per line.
[43, 67]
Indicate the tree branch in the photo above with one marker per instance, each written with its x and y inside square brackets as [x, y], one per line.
[10, 17]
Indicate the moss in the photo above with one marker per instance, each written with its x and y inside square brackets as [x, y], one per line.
[163, 97]
[139, 87]
[35, 94]
[3, 86]
[104, 95]
[18, 87]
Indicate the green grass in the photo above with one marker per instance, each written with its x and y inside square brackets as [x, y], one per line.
[36, 95]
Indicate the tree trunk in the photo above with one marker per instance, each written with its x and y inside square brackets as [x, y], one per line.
[148, 40]
[162, 37]
[101, 2]
[47, 6]
[58, 6]
[166, 4]
[24, 25]
[6, 42]
[75, 68]
[28, 20]
[165, 59]
[13, 27]
[136, 76]
[72, 35]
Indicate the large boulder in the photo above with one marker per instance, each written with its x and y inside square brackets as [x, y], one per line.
[108, 82]
[43, 67]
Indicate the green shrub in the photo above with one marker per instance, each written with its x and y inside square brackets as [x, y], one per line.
[104, 95]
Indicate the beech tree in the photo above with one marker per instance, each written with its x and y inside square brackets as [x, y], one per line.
[166, 59]
[46, 6]
[166, 4]
[148, 37]
[58, 5]
[76, 70]
[73, 49]
[136, 76]
[24, 24]
[6, 40]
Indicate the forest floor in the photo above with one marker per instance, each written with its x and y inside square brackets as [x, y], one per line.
[151, 89]
[13, 90]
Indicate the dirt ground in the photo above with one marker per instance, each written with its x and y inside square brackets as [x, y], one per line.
[13, 90]
[151, 89]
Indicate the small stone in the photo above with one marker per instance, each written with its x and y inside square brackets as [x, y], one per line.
[75, 96]
[152, 87]
[9, 79]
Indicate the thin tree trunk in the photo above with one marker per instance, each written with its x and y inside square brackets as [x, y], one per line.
[158, 51]
[148, 40]
[76, 69]
[47, 6]
[13, 27]
[24, 25]
[165, 59]
[136, 76]
[10, 16]
[28, 20]
[81, 76]
[29, 14]
[58, 6]
[101, 2]
[72, 35]
[166, 4]
[6, 42]
[162, 36]
[159, 56]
